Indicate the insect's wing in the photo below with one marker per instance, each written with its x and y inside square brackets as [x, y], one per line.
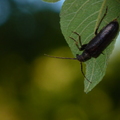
[102, 39]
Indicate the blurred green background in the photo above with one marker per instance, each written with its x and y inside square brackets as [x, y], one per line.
[35, 87]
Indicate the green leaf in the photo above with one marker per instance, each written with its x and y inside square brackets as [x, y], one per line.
[83, 16]
[52, 1]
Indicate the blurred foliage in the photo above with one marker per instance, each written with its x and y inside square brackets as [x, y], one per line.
[35, 87]
[52, 1]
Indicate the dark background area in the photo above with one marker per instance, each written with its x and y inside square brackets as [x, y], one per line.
[36, 87]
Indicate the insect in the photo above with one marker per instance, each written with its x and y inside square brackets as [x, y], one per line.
[98, 43]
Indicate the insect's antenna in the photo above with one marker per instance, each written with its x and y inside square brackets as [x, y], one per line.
[83, 72]
[60, 57]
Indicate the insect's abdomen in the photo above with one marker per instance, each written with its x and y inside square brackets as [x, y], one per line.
[102, 39]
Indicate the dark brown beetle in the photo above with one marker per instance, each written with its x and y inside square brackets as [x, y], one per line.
[97, 45]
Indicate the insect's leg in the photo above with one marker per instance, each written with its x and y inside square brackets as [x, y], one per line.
[96, 31]
[81, 47]
[76, 43]
[83, 72]
[79, 38]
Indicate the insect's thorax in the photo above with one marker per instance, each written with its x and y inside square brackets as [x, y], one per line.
[83, 57]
